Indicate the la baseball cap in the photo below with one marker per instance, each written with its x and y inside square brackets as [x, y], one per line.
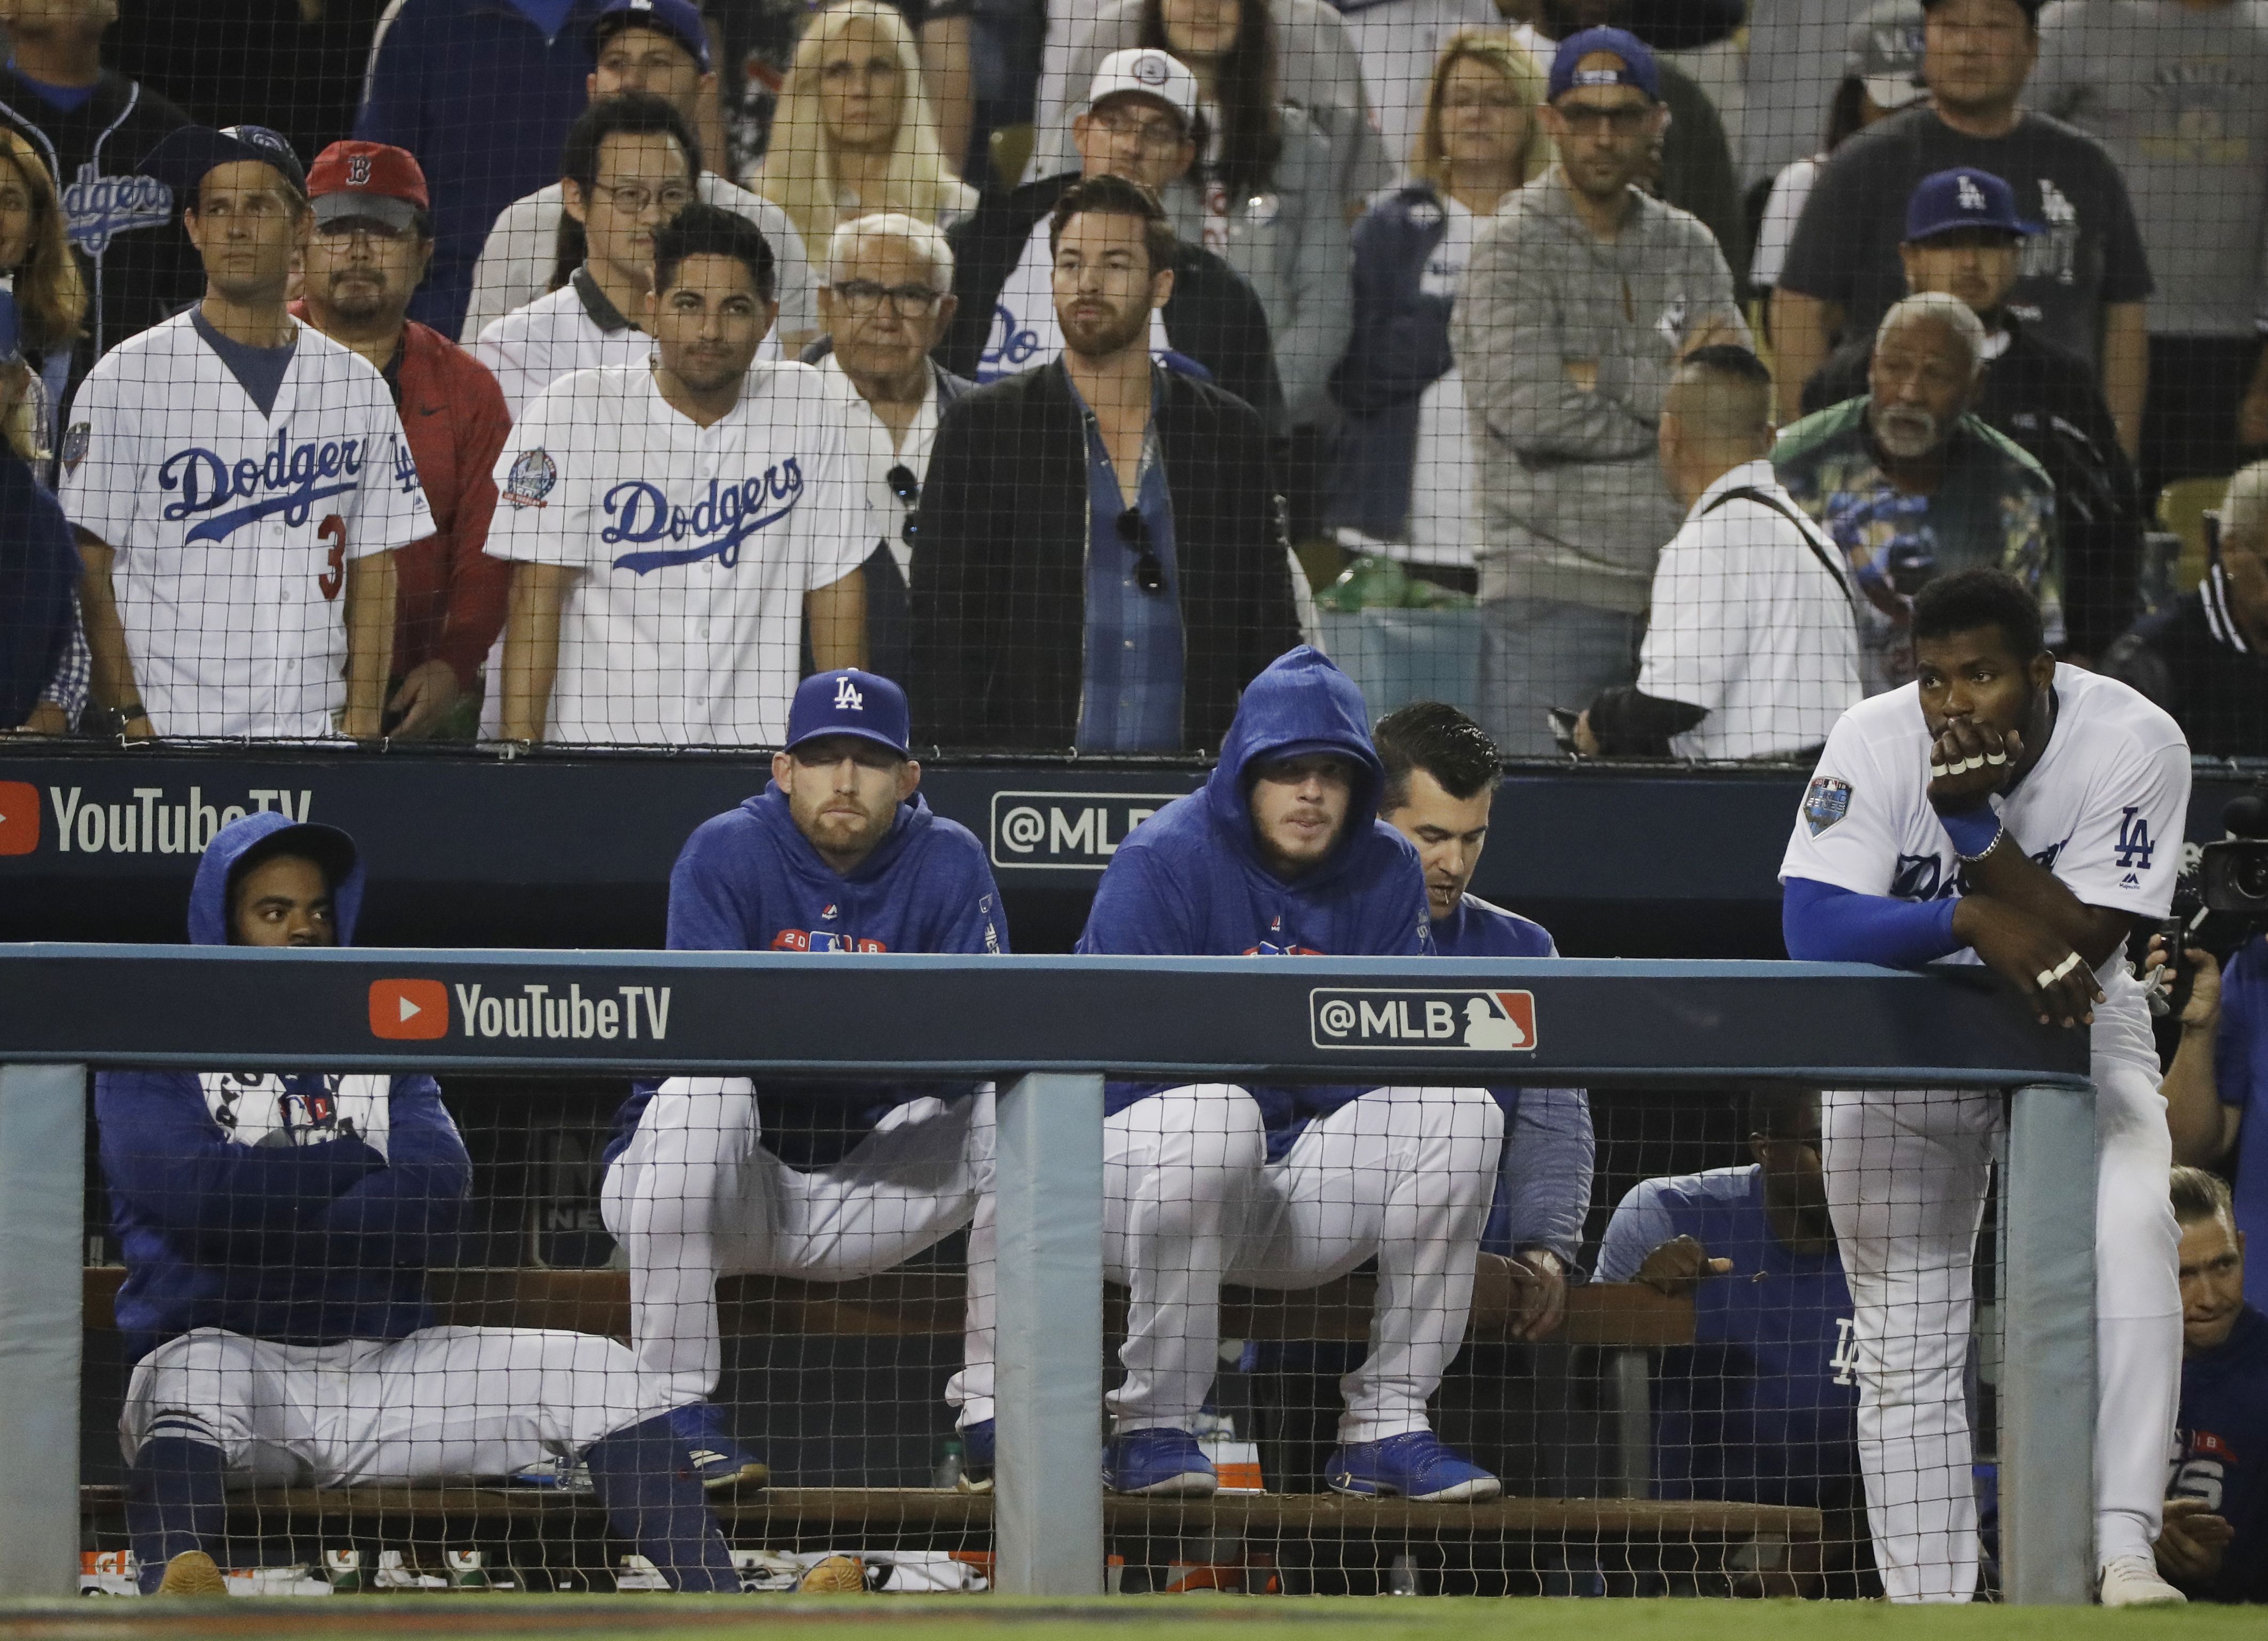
[182, 157]
[1883, 52]
[1634, 57]
[1146, 72]
[680, 19]
[850, 701]
[1946, 201]
[371, 180]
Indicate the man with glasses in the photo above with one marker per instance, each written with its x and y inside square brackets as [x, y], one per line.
[373, 243]
[1582, 295]
[628, 167]
[1139, 124]
[1101, 560]
[887, 300]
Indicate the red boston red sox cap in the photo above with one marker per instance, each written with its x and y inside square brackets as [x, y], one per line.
[369, 180]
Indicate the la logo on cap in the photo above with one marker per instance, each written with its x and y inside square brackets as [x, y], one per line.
[847, 698]
[1971, 196]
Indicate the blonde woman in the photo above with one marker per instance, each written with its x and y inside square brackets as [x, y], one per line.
[854, 133]
[1403, 483]
[36, 256]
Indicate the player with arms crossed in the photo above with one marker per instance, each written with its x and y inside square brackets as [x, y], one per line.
[2004, 810]
[231, 476]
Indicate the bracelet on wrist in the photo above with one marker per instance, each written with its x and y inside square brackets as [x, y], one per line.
[1974, 832]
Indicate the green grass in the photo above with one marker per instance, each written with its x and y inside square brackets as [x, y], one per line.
[1149, 1618]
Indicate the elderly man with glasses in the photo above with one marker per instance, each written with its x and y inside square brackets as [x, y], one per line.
[887, 301]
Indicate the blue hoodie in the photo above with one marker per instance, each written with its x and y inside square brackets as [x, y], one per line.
[747, 881]
[1190, 881]
[309, 1236]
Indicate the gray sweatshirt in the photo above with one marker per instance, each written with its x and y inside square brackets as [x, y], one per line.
[1573, 506]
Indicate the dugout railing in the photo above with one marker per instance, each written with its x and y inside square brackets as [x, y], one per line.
[1049, 1029]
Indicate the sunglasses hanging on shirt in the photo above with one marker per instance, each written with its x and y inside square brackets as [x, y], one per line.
[1134, 529]
[907, 489]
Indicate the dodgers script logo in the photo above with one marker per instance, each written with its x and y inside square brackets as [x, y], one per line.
[100, 208]
[717, 523]
[292, 476]
[1009, 349]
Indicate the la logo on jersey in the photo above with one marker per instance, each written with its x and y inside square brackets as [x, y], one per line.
[847, 698]
[290, 481]
[715, 525]
[2134, 847]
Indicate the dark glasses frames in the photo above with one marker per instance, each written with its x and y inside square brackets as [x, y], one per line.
[907, 489]
[1134, 529]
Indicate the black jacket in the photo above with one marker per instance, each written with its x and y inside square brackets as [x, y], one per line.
[1000, 583]
[1214, 317]
[139, 265]
[2196, 661]
[2050, 401]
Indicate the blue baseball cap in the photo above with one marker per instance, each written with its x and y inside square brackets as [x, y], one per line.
[183, 157]
[1637, 56]
[680, 19]
[1946, 202]
[850, 701]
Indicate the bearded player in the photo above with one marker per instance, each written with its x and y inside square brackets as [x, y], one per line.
[2003, 810]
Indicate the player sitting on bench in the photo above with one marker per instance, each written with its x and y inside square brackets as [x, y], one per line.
[276, 1229]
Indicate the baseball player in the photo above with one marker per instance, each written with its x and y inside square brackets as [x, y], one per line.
[1441, 773]
[237, 482]
[1280, 854]
[2002, 810]
[676, 528]
[710, 1175]
[276, 1229]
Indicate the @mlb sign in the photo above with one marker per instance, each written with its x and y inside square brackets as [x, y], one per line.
[1379, 1018]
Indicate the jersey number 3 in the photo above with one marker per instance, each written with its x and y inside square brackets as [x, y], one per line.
[334, 530]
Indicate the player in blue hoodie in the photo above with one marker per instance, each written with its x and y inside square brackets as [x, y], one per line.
[276, 1229]
[1281, 853]
[707, 1176]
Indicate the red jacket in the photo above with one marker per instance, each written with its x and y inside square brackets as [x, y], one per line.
[450, 598]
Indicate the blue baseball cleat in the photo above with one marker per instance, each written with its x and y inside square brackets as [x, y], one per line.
[1158, 1464]
[718, 1462]
[1414, 1465]
[976, 1457]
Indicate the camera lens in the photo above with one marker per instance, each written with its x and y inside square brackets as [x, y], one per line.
[2251, 877]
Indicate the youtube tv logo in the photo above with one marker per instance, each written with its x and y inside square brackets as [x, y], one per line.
[410, 1011]
[19, 816]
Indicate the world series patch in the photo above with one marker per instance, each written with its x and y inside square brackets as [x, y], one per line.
[76, 439]
[1827, 801]
[530, 479]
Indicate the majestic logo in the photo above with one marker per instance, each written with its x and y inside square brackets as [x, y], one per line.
[100, 208]
[19, 816]
[1389, 1018]
[1067, 831]
[1826, 801]
[408, 1010]
[847, 698]
[358, 170]
[715, 525]
[290, 481]
[530, 479]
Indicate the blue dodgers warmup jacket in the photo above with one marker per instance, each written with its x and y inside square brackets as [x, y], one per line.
[1763, 1406]
[746, 880]
[300, 1237]
[1189, 881]
[2221, 1451]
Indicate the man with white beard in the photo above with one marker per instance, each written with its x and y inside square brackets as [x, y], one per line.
[1911, 485]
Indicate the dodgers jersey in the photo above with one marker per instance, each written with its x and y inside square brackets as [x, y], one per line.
[230, 529]
[697, 545]
[2103, 810]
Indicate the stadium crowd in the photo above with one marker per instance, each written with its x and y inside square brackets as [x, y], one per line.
[630, 375]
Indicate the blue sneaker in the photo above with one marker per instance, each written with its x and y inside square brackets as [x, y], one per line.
[718, 1462]
[976, 1457]
[1158, 1464]
[1414, 1465]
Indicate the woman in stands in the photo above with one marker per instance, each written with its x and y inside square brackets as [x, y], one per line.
[854, 133]
[1261, 196]
[1403, 484]
[35, 255]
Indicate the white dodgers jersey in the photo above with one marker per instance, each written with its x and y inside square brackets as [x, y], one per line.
[2103, 810]
[697, 546]
[231, 530]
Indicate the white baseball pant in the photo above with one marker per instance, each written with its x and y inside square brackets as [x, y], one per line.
[442, 1403]
[696, 1196]
[1906, 1177]
[1190, 1201]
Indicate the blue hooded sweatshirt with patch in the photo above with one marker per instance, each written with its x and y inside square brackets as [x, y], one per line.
[1190, 880]
[304, 1233]
[747, 881]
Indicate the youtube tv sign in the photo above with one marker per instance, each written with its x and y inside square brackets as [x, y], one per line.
[409, 1011]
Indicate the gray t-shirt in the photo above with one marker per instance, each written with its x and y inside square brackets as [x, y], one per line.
[2180, 98]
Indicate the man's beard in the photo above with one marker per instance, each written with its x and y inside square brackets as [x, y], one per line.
[1098, 338]
[1909, 435]
[356, 299]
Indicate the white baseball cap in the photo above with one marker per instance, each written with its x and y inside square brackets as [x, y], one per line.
[1152, 73]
